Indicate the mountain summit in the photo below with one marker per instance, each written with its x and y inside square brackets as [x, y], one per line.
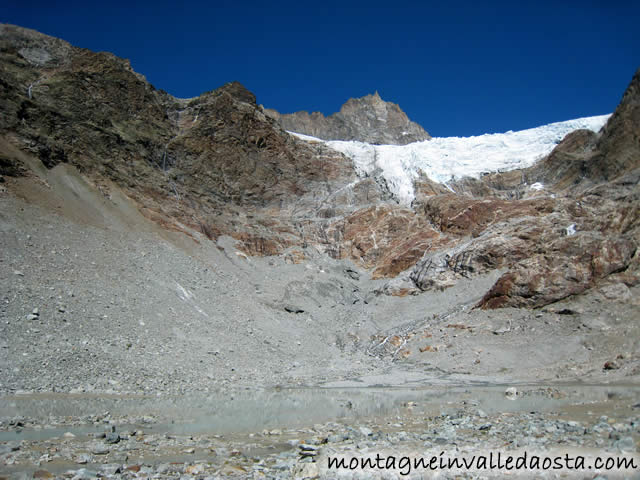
[367, 119]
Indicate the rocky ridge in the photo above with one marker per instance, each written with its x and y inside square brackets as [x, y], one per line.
[204, 164]
[367, 119]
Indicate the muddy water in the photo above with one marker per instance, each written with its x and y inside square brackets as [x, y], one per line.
[254, 411]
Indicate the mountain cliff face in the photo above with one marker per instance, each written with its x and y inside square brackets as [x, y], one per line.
[220, 165]
[596, 177]
[578, 226]
[205, 163]
[368, 119]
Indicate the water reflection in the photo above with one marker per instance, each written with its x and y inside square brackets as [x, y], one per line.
[252, 411]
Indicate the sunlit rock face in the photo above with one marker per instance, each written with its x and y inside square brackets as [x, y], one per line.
[367, 119]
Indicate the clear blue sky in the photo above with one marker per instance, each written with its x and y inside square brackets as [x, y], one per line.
[456, 67]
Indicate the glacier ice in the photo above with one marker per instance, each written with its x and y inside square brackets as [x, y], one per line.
[447, 158]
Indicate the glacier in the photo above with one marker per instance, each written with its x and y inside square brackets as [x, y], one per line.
[443, 159]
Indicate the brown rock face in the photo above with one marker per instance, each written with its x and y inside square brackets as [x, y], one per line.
[386, 239]
[460, 215]
[619, 143]
[565, 165]
[553, 247]
[569, 267]
[368, 119]
[228, 149]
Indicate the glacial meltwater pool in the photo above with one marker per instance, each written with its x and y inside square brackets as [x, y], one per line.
[41, 416]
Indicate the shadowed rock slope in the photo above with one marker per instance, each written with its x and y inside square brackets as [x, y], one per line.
[214, 163]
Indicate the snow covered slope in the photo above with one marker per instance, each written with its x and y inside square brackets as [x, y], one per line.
[443, 159]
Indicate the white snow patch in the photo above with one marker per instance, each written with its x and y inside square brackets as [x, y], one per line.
[571, 229]
[308, 138]
[449, 158]
[537, 186]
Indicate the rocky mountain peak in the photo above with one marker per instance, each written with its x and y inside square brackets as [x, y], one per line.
[368, 119]
[370, 99]
[238, 92]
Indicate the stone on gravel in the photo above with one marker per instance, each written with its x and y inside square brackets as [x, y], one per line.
[625, 445]
[84, 458]
[195, 469]
[85, 474]
[306, 471]
[352, 274]
[42, 474]
[293, 309]
[502, 330]
[616, 291]
[511, 393]
[100, 449]
[611, 365]
[110, 468]
[308, 450]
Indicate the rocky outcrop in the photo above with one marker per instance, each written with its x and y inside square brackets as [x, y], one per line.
[461, 215]
[568, 266]
[74, 106]
[585, 158]
[565, 165]
[537, 237]
[619, 144]
[384, 238]
[368, 119]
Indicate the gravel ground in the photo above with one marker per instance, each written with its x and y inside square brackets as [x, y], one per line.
[95, 300]
[540, 421]
[95, 308]
[86, 308]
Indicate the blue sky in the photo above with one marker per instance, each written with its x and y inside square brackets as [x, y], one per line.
[456, 67]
